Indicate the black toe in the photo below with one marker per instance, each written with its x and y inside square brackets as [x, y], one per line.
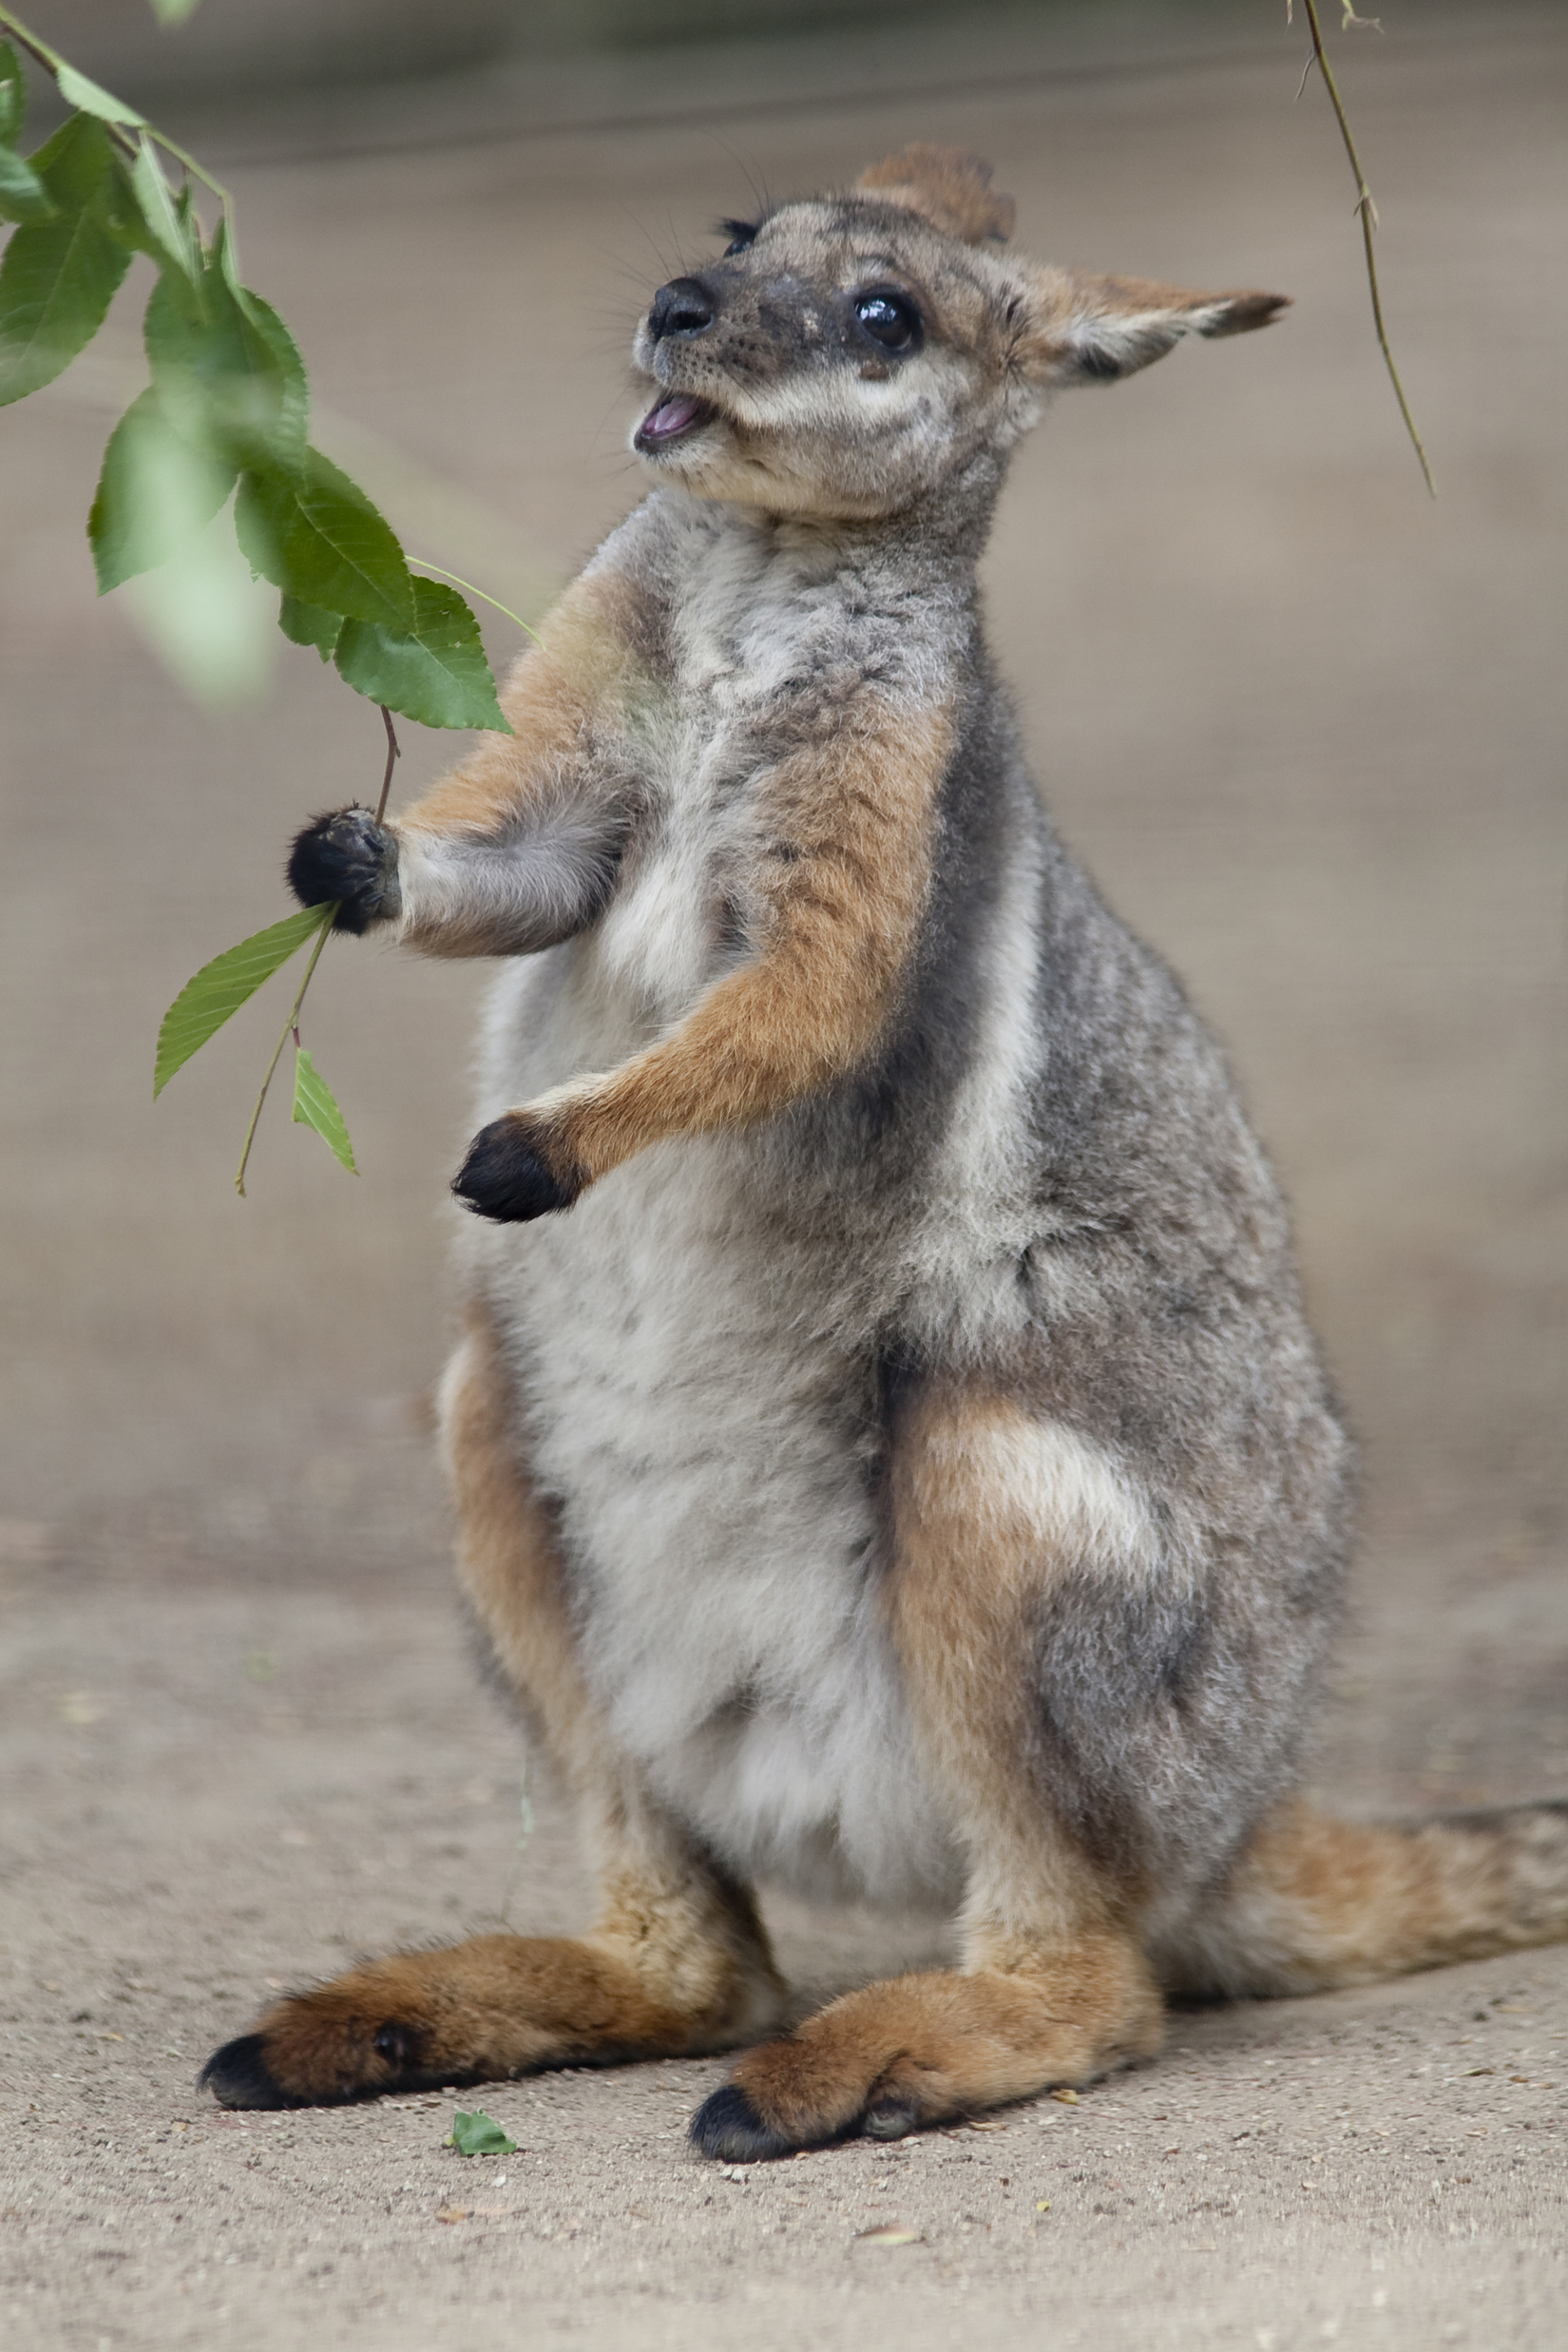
[889, 2120]
[237, 2076]
[728, 2126]
[503, 1178]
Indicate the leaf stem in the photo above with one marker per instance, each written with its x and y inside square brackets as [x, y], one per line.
[420, 564]
[328, 915]
[1368, 212]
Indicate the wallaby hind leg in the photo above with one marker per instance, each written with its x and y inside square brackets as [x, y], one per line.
[676, 1960]
[1055, 1988]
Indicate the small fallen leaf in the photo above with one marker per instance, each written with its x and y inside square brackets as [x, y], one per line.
[474, 2134]
[1481, 2069]
[1068, 2098]
[110, 2037]
[1043, 2204]
[452, 2213]
[986, 2123]
[887, 2233]
[492, 2212]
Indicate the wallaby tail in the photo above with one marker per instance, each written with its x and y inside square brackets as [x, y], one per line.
[1314, 1903]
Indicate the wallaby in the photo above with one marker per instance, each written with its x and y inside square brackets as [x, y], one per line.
[887, 1449]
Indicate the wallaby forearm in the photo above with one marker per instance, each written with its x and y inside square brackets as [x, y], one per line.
[517, 848]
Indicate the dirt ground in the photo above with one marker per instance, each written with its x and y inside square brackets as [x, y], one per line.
[1308, 729]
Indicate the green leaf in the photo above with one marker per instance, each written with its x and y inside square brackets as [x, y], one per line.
[13, 96]
[322, 540]
[307, 624]
[23, 195]
[59, 277]
[78, 91]
[155, 493]
[436, 673]
[221, 986]
[171, 232]
[228, 373]
[478, 2134]
[313, 1106]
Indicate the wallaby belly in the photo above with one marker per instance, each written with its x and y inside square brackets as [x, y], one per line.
[704, 1418]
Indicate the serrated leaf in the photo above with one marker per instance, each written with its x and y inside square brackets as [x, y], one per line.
[59, 277]
[313, 1106]
[320, 540]
[77, 91]
[23, 195]
[308, 624]
[13, 96]
[221, 986]
[170, 231]
[155, 493]
[436, 673]
[228, 373]
[475, 2134]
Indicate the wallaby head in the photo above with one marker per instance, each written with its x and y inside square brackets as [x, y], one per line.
[848, 353]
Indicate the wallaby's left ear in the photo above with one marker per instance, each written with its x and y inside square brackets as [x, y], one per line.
[1074, 329]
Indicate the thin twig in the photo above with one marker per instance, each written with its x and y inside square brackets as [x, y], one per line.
[523, 1833]
[52, 62]
[1368, 212]
[393, 755]
[291, 1027]
[329, 915]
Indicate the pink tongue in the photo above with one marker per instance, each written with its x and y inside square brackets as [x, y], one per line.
[673, 415]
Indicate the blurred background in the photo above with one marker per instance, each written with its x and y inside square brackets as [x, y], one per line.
[1306, 726]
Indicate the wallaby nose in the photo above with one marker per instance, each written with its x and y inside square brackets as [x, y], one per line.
[682, 307]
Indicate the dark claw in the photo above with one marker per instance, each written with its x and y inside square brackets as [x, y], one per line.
[506, 1179]
[351, 858]
[728, 2126]
[237, 2076]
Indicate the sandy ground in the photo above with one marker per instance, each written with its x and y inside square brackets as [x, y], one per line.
[1308, 729]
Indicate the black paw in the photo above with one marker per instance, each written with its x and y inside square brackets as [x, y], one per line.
[506, 1179]
[351, 858]
[728, 2126]
[237, 2076]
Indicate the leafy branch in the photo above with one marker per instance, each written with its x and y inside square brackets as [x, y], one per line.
[223, 425]
[1366, 209]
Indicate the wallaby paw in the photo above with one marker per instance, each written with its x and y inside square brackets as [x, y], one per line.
[507, 1178]
[349, 857]
[319, 2052]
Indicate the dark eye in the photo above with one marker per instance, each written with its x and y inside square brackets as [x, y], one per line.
[740, 234]
[891, 318]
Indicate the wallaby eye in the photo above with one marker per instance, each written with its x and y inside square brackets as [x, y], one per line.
[740, 234]
[891, 320]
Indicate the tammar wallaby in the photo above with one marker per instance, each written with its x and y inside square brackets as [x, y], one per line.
[887, 1450]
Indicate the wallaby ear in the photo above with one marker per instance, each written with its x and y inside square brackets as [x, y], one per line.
[947, 186]
[1077, 329]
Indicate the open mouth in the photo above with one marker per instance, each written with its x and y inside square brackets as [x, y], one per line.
[676, 418]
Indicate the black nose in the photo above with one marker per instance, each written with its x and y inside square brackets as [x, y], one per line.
[682, 307]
